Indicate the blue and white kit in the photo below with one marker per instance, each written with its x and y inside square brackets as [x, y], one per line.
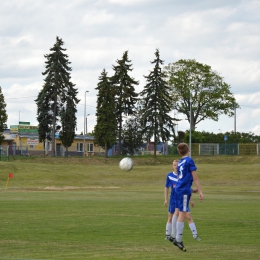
[171, 181]
[183, 187]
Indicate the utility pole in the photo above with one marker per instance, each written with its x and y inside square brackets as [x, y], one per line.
[235, 123]
[84, 145]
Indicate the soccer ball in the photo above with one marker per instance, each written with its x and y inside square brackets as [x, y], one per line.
[126, 164]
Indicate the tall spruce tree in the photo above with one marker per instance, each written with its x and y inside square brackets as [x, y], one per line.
[68, 122]
[57, 99]
[105, 130]
[3, 116]
[125, 97]
[156, 121]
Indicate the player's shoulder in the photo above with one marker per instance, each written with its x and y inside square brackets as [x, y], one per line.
[172, 176]
[189, 159]
[169, 174]
[183, 160]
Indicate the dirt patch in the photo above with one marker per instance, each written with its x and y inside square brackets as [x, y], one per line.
[78, 188]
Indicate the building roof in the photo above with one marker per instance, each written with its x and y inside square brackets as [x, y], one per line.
[8, 136]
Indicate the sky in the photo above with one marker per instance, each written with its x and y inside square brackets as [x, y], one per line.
[224, 34]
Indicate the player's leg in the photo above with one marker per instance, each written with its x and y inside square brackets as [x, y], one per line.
[192, 226]
[169, 225]
[183, 206]
[174, 222]
[180, 226]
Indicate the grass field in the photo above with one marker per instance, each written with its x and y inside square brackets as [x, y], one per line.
[89, 209]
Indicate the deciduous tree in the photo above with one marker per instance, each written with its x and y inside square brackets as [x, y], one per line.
[132, 135]
[196, 87]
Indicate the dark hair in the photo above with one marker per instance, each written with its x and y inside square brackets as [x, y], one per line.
[183, 148]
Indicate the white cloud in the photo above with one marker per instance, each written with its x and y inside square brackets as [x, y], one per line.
[97, 17]
[223, 34]
[250, 99]
[130, 2]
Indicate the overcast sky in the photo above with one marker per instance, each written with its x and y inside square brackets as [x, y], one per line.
[224, 34]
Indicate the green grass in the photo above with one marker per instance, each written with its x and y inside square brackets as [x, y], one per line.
[88, 209]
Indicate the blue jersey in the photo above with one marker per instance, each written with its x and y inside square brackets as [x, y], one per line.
[185, 166]
[171, 181]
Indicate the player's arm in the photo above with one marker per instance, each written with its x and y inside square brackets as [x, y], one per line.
[166, 196]
[197, 183]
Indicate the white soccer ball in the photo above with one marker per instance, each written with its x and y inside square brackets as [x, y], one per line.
[126, 164]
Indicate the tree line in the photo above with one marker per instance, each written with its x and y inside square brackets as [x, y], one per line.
[227, 137]
[186, 86]
[124, 116]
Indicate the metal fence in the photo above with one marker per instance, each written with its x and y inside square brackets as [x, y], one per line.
[4, 153]
[207, 149]
[7, 151]
[218, 149]
[221, 149]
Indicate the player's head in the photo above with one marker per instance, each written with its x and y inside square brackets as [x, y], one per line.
[175, 165]
[183, 149]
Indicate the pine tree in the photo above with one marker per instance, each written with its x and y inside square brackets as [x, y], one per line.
[68, 122]
[3, 116]
[126, 97]
[156, 121]
[105, 129]
[57, 99]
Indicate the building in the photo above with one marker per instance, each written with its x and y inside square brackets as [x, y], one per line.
[23, 139]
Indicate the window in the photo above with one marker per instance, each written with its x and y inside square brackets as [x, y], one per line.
[90, 148]
[80, 147]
